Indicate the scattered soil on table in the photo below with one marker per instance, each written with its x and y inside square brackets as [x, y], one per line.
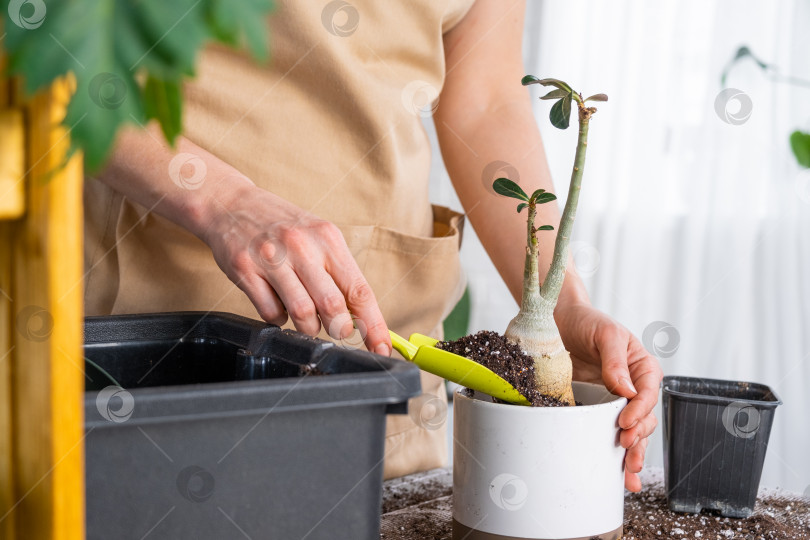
[402, 496]
[494, 351]
[647, 516]
[777, 516]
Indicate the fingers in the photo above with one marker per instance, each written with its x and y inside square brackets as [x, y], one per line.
[328, 300]
[361, 301]
[634, 458]
[647, 375]
[612, 345]
[297, 300]
[643, 429]
[631, 481]
[264, 298]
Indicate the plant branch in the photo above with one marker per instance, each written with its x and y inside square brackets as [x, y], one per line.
[556, 274]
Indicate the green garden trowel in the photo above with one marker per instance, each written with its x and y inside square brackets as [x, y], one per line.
[421, 351]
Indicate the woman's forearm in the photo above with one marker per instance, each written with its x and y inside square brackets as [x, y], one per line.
[184, 184]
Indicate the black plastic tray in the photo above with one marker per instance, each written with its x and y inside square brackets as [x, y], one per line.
[209, 425]
[715, 438]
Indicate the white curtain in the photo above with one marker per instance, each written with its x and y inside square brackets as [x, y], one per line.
[692, 213]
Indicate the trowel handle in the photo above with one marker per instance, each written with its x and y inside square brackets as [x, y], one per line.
[403, 346]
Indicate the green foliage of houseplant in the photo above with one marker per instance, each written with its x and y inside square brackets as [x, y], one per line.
[129, 57]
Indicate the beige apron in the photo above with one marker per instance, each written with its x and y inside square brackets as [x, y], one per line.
[332, 125]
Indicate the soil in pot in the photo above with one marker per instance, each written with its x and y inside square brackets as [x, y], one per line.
[495, 352]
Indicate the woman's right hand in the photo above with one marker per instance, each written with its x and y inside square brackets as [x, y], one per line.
[287, 261]
[290, 262]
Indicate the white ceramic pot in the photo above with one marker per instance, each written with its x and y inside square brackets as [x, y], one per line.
[548, 473]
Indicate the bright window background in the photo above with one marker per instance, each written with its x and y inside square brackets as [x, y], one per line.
[684, 218]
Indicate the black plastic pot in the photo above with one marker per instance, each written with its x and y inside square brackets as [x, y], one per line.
[216, 434]
[715, 437]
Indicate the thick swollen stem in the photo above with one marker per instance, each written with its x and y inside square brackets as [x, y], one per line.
[556, 274]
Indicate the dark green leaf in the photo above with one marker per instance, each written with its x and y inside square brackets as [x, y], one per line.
[457, 323]
[162, 100]
[544, 198]
[555, 82]
[545, 228]
[597, 97]
[521, 206]
[800, 144]
[114, 47]
[506, 187]
[555, 94]
[529, 79]
[536, 193]
[560, 114]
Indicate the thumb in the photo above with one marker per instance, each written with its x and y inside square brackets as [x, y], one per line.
[615, 374]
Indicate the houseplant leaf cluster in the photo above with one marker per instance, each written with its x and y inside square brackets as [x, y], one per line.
[129, 57]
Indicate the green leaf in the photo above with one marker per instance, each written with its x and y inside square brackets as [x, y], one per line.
[506, 187]
[536, 193]
[554, 94]
[115, 48]
[531, 79]
[544, 198]
[457, 323]
[560, 114]
[163, 102]
[521, 206]
[597, 97]
[545, 228]
[800, 144]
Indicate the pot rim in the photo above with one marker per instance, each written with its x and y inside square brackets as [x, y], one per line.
[668, 390]
[619, 401]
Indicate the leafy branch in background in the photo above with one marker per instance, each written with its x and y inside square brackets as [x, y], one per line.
[799, 140]
[129, 57]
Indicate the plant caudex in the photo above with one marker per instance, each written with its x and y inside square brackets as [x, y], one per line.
[534, 329]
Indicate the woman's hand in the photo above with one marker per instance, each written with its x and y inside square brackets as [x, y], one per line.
[288, 261]
[603, 351]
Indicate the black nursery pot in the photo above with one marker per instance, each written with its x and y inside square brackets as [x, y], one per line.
[226, 428]
[715, 437]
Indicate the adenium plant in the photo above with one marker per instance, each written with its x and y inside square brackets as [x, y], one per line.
[534, 329]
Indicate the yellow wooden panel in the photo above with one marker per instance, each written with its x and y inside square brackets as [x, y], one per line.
[12, 163]
[46, 361]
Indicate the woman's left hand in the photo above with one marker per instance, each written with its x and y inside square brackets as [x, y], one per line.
[603, 351]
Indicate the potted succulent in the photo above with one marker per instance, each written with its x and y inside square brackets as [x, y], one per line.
[541, 472]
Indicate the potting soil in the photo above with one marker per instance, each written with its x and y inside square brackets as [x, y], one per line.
[495, 352]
